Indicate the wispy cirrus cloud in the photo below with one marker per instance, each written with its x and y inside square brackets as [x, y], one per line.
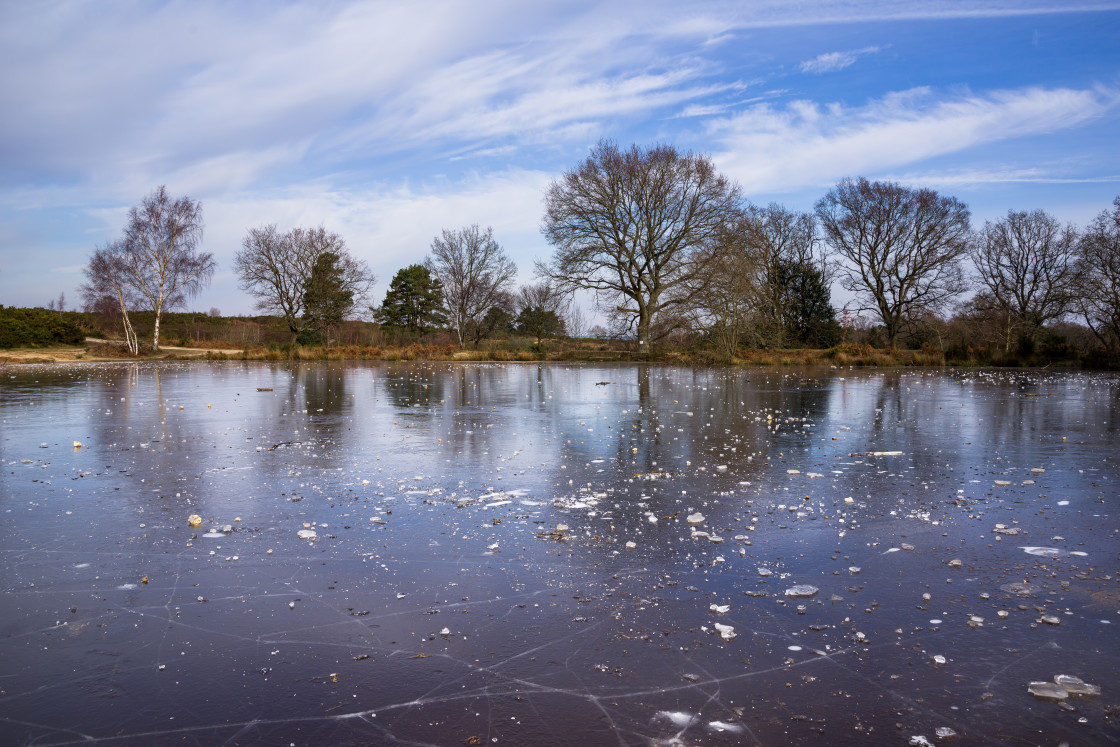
[770, 148]
[833, 61]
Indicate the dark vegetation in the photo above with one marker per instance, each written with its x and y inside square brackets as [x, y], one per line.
[37, 328]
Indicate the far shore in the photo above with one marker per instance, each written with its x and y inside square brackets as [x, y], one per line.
[843, 355]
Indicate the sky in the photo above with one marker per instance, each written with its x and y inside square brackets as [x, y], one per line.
[387, 122]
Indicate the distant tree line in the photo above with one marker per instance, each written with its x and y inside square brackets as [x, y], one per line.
[668, 248]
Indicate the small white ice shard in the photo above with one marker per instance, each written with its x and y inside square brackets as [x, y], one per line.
[726, 632]
[719, 609]
[695, 519]
[307, 534]
[1042, 551]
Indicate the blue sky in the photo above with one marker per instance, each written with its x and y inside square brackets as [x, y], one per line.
[387, 122]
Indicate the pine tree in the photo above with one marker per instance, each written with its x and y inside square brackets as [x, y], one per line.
[326, 297]
[414, 301]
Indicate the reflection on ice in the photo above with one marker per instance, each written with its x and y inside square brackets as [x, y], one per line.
[456, 554]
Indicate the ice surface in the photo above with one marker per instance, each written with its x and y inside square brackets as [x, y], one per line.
[468, 581]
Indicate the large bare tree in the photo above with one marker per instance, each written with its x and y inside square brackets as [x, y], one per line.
[107, 288]
[901, 248]
[1099, 297]
[636, 227]
[1027, 264]
[276, 266]
[160, 252]
[475, 273]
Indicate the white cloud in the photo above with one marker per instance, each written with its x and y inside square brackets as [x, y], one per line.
[389, 226]
[832, 61]
[768, 148]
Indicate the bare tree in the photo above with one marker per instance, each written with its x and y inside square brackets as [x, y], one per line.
[275, 268]
[1099, 299]
[728, 303]
[107, 286]
[901, 248]
[633, 225]
[1027, 264]
[474, 271]
[161, 256]
[576, 322]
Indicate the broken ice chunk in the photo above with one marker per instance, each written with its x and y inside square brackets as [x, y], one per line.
[695, 518]
[1047, 691]
[719, 609]
[726, 632]
[802, 590]
[307, 534]
[1076, 685]
[194, 520]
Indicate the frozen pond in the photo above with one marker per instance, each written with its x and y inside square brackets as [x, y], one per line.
[556, 555]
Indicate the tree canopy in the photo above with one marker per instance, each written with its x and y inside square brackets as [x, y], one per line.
[632, 226]
[900, 248]
[474, 272]
[414, 301]
[275, 266]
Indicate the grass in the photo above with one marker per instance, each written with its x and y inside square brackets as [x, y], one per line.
[521, 350]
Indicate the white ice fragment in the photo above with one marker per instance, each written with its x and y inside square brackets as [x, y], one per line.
[726, 632]
[631, 545]
[677, 718]
[919, 741]
[938, 660]
[445, 631]
[1042, 551]
[307, 534]
[793, 472]
[724, 726]
[764, 572]
[1047, 691]
[719, 609]
[695, 518]
[802, 590]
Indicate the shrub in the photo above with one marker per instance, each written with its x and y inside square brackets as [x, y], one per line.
[36, 328]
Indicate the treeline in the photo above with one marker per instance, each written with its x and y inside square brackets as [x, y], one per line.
[675, 257]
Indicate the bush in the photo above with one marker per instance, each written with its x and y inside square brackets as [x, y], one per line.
[36, 328]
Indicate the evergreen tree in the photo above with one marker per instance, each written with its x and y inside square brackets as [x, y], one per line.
[414, 301]
[326, 297]
[807, 313]
[539, 322]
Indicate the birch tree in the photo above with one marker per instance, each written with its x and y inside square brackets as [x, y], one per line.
[160, 253]
[107, 284]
